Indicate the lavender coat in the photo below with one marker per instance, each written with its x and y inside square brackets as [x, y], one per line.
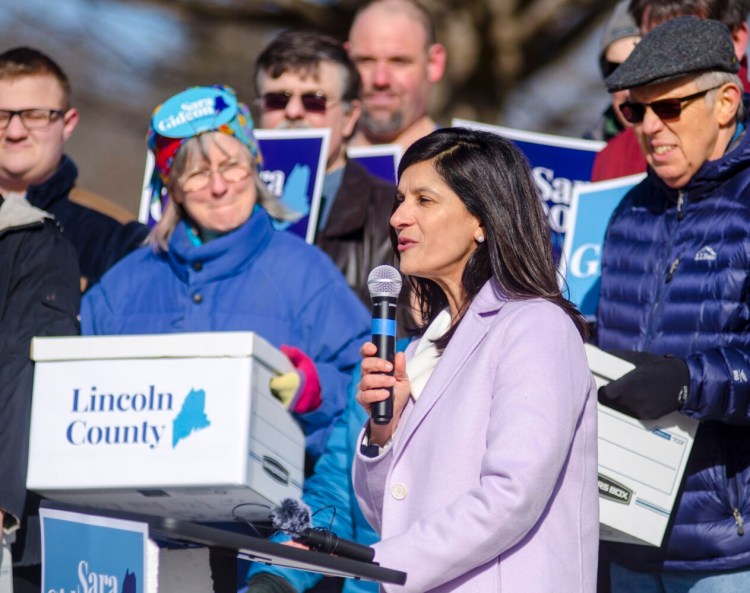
[491, 481]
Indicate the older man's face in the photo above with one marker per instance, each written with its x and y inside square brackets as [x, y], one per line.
[676, 148]
[397, 68]
[327, 85]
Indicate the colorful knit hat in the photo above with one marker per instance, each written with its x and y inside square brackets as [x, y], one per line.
[191, 113]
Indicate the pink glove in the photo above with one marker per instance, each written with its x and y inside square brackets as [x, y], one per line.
[307, 396]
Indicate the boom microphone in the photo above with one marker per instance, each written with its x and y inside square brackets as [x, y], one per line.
[293, 517]
[384, 284]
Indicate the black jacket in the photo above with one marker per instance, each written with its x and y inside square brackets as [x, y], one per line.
[39, 295]
[356, 235]
[99, 241]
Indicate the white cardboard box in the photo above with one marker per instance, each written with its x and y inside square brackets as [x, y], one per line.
[180, 425]
[641, 463]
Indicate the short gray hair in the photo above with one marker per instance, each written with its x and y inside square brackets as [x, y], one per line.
[717, 78]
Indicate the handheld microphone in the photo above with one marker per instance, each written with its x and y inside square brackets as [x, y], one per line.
[384, 284]
[293, 517]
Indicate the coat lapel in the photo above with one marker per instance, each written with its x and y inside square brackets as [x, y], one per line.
[470, 333]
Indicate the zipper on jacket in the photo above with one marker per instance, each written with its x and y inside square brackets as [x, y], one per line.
[672, 270]
[729, 462]
[656, 309]
[739, 521]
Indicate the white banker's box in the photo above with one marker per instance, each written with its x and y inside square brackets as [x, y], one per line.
[180, 425]
[641, 463]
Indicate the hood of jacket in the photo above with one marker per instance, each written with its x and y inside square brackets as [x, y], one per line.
[16, 213]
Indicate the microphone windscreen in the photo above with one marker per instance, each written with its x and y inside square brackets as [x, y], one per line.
[384, 281]
[291, 516]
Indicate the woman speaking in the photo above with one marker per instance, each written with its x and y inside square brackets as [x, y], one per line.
[485, 480]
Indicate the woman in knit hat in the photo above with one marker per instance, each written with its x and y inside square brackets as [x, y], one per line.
[215, 262]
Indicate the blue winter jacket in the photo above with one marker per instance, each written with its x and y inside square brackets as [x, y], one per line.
[330, 495]
[251, 279]
[676, 280]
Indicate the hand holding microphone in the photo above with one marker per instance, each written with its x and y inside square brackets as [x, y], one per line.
[384, 387]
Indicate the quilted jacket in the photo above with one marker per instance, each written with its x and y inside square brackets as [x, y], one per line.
[676, 280]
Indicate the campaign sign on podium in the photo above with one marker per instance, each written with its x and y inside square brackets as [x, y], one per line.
[180, 425]
[90, 554]
[641, 463]
[101, 551]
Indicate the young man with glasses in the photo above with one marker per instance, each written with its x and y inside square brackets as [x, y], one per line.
[306, 80]
[36, 119]
[674, 297]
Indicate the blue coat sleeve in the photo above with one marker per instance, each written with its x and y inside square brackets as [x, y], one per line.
[719, 386]
[94, 312]
[334, 324]
[330, 495]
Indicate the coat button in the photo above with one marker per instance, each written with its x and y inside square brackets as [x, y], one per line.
[398, 491]
[197, 298]
[197, 266]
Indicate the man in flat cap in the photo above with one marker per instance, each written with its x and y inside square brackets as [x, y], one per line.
[675, 298]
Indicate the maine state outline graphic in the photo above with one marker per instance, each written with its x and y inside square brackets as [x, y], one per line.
[191, 417]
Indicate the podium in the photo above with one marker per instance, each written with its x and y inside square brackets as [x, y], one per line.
[115, 551]
[178, 425]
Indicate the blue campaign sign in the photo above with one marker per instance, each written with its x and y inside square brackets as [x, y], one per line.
[87, 554]
[558, 164]
[380, 161]
[591, 208]
[294, 166]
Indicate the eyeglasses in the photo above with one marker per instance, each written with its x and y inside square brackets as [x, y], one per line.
[30, 118]
[664, 109]
[316, 102]
[198, 179]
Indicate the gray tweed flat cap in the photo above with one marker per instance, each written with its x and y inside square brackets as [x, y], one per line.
[679, 46]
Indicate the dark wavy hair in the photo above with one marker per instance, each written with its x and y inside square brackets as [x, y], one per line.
[493, 180]
[302, 52]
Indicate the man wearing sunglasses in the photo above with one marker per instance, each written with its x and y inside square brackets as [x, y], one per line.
[621, 156]
[675, 295]
[36, 119]
[306, 80]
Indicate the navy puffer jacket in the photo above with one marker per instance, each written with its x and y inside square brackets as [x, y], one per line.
[676, 280]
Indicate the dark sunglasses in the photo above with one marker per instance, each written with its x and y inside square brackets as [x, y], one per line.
[667, 109]
[316, 102]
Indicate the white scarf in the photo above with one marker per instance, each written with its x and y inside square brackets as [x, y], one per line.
[420, 366]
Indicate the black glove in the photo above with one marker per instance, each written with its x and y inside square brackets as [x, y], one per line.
[656, 386]
[264, 582]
